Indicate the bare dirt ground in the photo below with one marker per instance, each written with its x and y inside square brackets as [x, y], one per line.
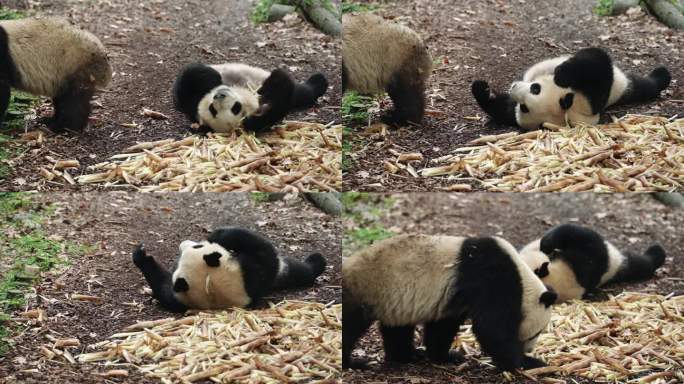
[148, 43]
[496, 41]
[631, 222]
[113, 223]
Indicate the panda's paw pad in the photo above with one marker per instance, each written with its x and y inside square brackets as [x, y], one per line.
[180, 285]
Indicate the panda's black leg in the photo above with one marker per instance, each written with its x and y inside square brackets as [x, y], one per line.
[159, 279]
[641, 267]
[398, 343]
[500, 107]
[589, 71]
[300, 274]
[5, 92]
[306, 94]
[408, 97]
[355, 322]
[72, 109]
[274, 104]
[439, 335]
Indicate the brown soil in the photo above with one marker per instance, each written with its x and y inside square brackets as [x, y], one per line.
[113, 223]
[631, 222]
[148, 43]
[496, 41]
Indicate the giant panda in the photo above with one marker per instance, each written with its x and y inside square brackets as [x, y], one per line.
[569, 89]
[233, 267]
[49, 57]
[574, 260]
[222, 97]
[379, 56]
[440, 281]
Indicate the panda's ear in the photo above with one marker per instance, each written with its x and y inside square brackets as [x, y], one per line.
[543, 270]
[548, 298]
[566, 101]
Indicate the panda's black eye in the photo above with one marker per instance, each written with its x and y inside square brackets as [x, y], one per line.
[535, 88]
[213, 110]
[196, 246]
[237, 107]
[524, 109]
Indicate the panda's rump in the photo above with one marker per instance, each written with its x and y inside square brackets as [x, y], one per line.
[242, 75]
[546, 67]
[49, 52]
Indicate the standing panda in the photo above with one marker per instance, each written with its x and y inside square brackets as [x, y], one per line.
[222, 97]
[379, 56]
[49, 57]
[574, 260]
[233, 267]
[440, 281]
[572, 89]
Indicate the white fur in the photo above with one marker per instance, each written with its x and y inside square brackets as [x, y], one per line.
[47, 52]
[408, 279]
[545, 108]
[210, 287]
[226, 121]
[615, 261]
[533, 256]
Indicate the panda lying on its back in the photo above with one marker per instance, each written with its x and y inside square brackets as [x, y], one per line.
[573, 88]
[440, 281]
[221, 97]
[574, 260]
[234, 267]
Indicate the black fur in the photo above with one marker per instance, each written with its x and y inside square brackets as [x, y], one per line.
[543, 270]
[194, 81]
[301, 274]
[159, 280]
[644, 89]
[212, 259]
[500, 107]
[180, 285]
[408, 97]
[305, 94]
[72, 105]
[641, 267]
[582, 248]
[276, 95]
[590, 72]
[8, 73]
[487, 289]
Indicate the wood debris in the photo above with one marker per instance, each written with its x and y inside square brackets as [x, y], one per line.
[637, 153]
[630, 338]
[292, 341]
[295, 157]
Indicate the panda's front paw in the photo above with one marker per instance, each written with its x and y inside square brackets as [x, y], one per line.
[140, 255]
[530, 362]
[481, 91]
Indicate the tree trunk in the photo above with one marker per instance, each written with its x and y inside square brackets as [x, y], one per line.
[327, 202]
[621, 6]
[675, 200]
[326, 21]
[278, 11]
[667, 12]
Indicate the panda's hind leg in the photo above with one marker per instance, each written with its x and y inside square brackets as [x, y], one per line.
[408, 97]
[72, 108]
[438, 338]
[300, 274]
[641, 267]
[355, 322]
[398, 343]
[306, 94]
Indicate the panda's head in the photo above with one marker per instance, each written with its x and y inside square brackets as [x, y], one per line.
[196, 261]
[223, 108]
[536, 300]
[540, 101]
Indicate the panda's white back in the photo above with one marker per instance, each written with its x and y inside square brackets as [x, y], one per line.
[243, 75]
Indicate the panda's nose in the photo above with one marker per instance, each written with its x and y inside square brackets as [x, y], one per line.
[219, 95]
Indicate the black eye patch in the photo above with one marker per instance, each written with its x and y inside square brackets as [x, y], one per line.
[535, 88]
[524, 109]
[180, 285]
[213, 110]
[197, 246]
[212, 259]
[237, 107]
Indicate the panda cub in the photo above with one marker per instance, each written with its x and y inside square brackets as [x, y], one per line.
[49, 57]
[233, 267]
[572, 89]
[574, 260]
[222, 97]
[440, 281]
[379, 56]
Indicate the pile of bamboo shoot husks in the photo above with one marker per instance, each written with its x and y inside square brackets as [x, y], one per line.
[636, 153]
[633, 337]
[295, 157]
[292, 341]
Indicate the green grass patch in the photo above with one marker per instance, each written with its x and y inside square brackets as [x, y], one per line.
[260, 197]
[347, 148]
[351, 6]
[25, 245]
[355, 107]
[604, 8]
[10, 14]
[368, 235]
